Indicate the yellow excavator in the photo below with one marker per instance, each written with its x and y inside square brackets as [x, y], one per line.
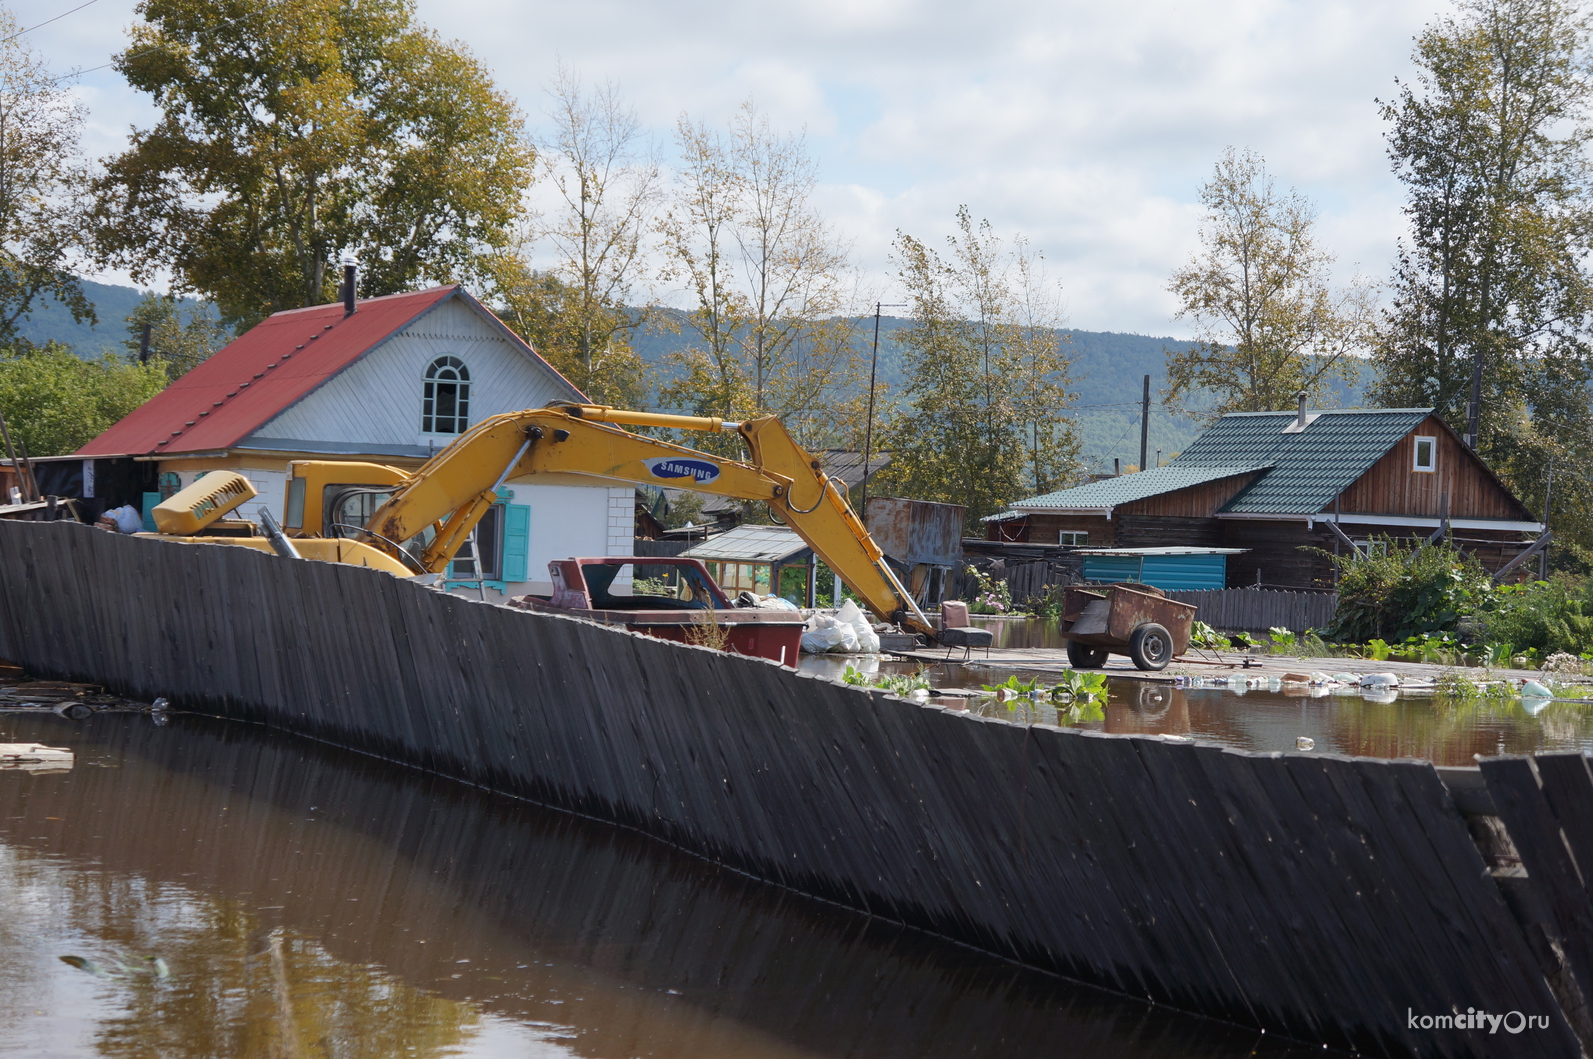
[410, 524]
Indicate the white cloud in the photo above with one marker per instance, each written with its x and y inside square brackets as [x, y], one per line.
[1089, 127]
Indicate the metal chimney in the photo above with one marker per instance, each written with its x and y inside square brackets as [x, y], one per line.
[351, 268]
[1299, 423]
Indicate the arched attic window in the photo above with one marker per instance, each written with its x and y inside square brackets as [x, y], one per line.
[445, 408]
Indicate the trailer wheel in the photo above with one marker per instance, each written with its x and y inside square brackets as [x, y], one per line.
[1084, 656]
[1151, 646]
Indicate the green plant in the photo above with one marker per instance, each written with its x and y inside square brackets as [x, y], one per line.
[1203, 635]
[1378, 650]
[1548, 617]
[991, 595]
[1401, 590]
[1048, 604]
[1283, 640]
[903, 684]
[1013, 685]
[1080, 683]
[1081, 711]
[1455, 687]
[651, 586]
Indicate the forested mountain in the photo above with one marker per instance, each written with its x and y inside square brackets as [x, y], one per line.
[112, 304]
[1108, 370]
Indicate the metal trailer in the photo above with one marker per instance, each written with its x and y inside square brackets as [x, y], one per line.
[1131, 619]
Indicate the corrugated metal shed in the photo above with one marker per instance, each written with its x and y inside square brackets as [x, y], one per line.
[917, 531]
[1170, 569]
[1309, 468]
[1125, 489]
[750, 544]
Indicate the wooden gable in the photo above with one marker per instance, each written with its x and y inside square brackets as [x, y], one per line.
[1392, 485]
[1197, 501]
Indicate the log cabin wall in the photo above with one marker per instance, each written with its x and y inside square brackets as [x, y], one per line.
[1393, 487]
[1161, 531]
[1044, 527]
[1280, 552]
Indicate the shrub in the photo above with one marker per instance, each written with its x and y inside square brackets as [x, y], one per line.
[1546, 617]
[1406, 591]
[991, 595]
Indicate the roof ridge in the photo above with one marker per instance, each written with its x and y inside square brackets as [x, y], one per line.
[1291, 413]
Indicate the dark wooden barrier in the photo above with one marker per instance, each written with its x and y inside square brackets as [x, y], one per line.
[1260, 609]
[1327, 898]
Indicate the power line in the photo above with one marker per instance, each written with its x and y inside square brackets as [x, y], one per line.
[47, 21]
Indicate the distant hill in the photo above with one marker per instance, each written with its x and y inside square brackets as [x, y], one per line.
[1108, 374]
[1108, 370]
[112, 304]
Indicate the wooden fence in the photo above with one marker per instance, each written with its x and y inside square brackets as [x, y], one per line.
[1260, 609]
[1326, 898]
[1230, 609]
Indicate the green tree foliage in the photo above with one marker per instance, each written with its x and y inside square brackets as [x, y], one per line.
[54, 402]
[766, 281]
[1402, 590]
[41, 185]
[293, 129]
[575, 311]
[981, 422]
[1490, 142]
[1268, 320]
[174, 344]
[1546, 616]
[586, 341]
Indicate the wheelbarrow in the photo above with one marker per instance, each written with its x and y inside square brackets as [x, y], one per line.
[1129, 619]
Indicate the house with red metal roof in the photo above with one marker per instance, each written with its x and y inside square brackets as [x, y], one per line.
[393, 382]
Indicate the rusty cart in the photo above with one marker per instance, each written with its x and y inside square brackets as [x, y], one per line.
[1132, 619]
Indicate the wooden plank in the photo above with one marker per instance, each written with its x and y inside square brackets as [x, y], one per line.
[1553, 870]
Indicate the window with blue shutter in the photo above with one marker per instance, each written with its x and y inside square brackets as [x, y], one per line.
[516, 541]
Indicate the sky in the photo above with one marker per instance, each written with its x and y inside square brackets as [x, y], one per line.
[1086, 127]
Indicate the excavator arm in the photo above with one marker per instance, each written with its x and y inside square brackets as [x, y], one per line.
[457, 486]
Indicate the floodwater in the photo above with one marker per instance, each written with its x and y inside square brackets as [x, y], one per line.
[1370, 723]
[231, 892]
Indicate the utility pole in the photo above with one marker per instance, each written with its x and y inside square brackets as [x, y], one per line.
[1548, 495]
[1474, 410]
[143, 344]
[868, 428]
[1144, 426]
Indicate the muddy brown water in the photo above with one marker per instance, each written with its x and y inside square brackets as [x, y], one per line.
[304, 901]
[1344, 720]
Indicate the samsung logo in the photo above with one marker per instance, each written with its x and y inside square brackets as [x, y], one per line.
[672, 467]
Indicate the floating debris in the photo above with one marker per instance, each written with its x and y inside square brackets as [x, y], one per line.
[35, 757]
[1305, 742]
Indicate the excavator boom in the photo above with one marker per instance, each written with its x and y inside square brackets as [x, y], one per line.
[457, 486]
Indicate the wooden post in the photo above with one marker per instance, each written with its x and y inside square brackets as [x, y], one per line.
[1144, 426]
[30, 491]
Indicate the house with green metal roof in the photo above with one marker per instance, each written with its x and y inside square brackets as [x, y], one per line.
[1290, 489]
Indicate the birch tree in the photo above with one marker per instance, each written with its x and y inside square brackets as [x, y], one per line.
[577, 309]
[41, 185]
[982, 419]
[767, 281]
[1267, 319]
[1492, 296]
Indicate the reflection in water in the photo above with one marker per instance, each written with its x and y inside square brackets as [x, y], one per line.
[1363, 722]
[311, 902]
[235, 987]
[1375, 724]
